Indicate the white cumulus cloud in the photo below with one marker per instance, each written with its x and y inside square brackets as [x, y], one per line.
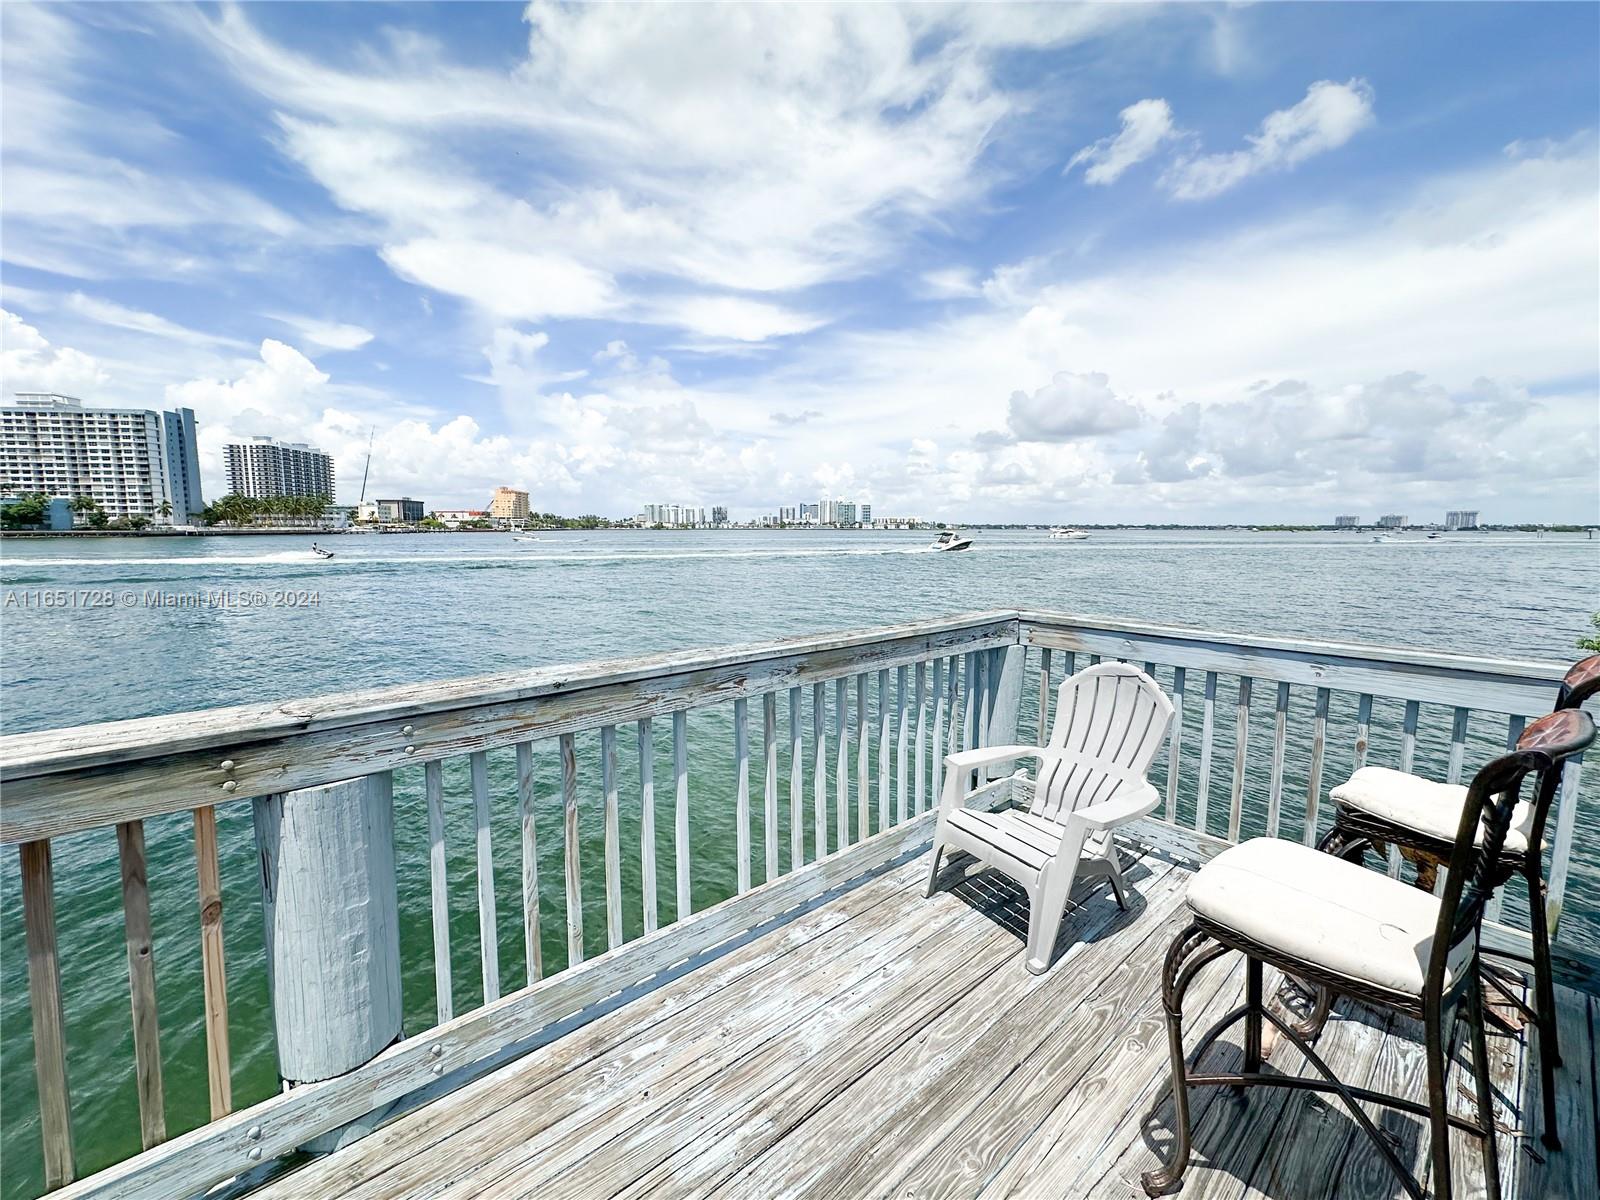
[1329, 116]
[1146, 127]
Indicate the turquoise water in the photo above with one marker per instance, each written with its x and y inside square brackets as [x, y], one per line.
[394, 609]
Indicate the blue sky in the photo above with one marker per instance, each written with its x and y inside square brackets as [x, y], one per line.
[1003, 262]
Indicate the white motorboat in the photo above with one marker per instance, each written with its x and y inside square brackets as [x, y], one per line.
[523, 538]
[1382, 537]
[949, 540]
[1062, 534]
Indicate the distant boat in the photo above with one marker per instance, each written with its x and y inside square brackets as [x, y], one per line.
[949, 540]
[1382, 537]
[523, 538]
[1062, 534]
[320, 552]
[1433, 535]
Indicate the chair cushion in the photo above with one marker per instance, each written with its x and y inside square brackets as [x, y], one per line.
[1415, 803]
[1319, 909]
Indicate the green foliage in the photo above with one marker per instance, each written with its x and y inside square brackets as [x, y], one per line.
[553, 521]
[236, 510]
[1592, 641]
[30, 509]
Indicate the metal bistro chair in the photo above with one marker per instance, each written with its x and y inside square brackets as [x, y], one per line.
[1380, 807]
[1340, 926]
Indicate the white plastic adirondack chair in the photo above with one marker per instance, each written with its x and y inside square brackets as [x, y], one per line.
[1110, 721]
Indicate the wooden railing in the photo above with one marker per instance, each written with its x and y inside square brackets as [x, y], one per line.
[803, 820]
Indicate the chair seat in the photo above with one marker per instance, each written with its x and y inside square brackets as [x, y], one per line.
[1027, 840]
[1432, 809]
[1322, 910]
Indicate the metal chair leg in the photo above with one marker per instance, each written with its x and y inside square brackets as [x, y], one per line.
[1438, 1104]
[1480, 1071]
[1545, 1005]
[1252, 1020]
[1174, 982]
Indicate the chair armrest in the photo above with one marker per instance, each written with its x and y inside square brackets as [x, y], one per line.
[1130, 805]
[956, 767]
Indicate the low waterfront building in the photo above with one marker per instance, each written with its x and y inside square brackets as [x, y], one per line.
[461, 516]
[131, 462]
[55, 513]
[405, 510]
[264, 468]
[509, 504]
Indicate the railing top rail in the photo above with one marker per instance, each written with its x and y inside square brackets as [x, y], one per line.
[1539, 670]
[65, 780]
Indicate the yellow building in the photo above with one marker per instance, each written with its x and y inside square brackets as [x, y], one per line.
[509, 505]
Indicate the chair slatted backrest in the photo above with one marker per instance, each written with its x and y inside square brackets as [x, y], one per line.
[1542, 751]
[1110, 721]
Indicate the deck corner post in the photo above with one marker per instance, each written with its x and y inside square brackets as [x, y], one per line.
[330, 912]
[1005, 684]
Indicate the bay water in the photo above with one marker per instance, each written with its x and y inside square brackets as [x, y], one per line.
[399, 609]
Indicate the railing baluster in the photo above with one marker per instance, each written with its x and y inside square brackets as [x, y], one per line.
[213, 965]
[797, 827]
[1319, 742]
[532, 949]
[883, 750]
[142, 983]
[1514, 727]
[969, 684]
[1363, 729]
[902, 717]
[613, 835]
[1280, 734]
[1174, 743]
[680, 787]
[1408, 752]
[985, 692]
[769, 782]
[1044, 695]
[920, 797]
[488, 922]
[44, 998]
[741, 813]
[574, 862]
[1069, 664]
[1241, 738]
[1458, 744]
[1408, 735]
[819, 765]
[433, 785]
[647, 824]
[841, 760]
[1561, 850]
[863, 762]
[1207, 716]
[940, 709]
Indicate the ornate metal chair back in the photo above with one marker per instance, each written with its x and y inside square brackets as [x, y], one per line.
[1580, 682]
[1474, 870]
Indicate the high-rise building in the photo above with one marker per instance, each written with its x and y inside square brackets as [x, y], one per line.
[719, 515]
[809, 512]
[844, 512]
[509, 504]
[1393, 521]
[789, 515]
[131, 461]
[1461, 518]
[1346, 522]
[866, 514]
[264, 467]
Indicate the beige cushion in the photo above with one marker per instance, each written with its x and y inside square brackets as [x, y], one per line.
[1421, 804]
[1320, 909]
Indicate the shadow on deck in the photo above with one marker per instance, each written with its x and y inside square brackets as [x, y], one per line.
[882, 1044]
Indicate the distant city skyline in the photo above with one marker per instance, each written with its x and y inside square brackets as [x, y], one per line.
[1052, 264]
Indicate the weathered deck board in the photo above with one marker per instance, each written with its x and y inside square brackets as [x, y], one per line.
[885, 1044]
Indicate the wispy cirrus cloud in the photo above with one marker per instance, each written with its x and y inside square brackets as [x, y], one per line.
[1146, 127]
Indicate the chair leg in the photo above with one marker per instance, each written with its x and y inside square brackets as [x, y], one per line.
[933, 866]
[1252, 1020]
[1434, 1036]
[1480, 1071]
[1046, 904]
[1545, 1003]
[1114, 869]
[1174, 982]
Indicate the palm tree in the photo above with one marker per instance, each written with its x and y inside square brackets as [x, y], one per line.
[165, 508]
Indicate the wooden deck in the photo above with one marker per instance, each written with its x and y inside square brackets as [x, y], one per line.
[881, 1044]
